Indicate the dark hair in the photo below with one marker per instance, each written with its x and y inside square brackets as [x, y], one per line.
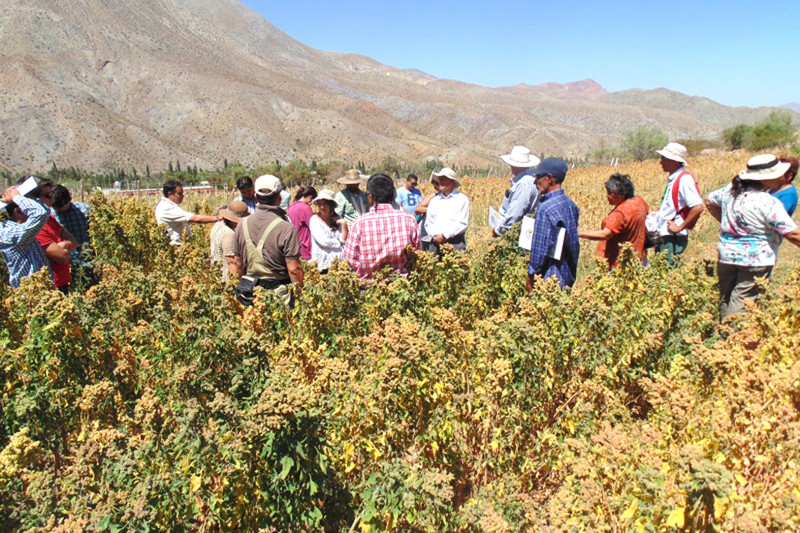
[302, 192]
[738, 186]
[170, 187]
[620, 184]
[244, 182]
[60, 196]
[381, 187]
[268, 200]
[412, 176]
[790, 174]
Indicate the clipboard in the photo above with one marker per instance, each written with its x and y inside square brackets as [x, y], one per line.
[526, 233]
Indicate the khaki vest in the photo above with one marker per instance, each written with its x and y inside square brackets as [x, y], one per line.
[256, 266]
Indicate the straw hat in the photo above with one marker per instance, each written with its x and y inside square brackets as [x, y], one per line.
[325, 194]
[520, 157]
[351, 177]
[235, 211]
[764, 167]
[447, 172]
[675, 152]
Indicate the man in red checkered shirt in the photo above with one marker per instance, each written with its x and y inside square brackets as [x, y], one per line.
[380, 237]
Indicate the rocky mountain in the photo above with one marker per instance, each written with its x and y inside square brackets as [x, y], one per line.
[113, 83]
[793, 106]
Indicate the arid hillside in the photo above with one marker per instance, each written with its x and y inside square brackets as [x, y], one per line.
[112, 83]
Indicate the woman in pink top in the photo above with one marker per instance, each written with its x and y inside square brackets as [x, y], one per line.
[300, 214]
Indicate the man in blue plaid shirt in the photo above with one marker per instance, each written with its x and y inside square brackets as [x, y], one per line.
[21, 251]
[72, 215]
[556, 211]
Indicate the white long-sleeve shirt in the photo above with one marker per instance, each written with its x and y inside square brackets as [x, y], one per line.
[447, 215]
[326, 243]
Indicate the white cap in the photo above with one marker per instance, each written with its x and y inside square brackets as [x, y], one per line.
[267, 185]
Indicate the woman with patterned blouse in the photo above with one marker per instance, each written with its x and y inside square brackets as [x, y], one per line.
[752, 223]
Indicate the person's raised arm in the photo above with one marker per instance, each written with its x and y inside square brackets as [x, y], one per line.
[596, 235]
[204, 219]
[37, 217]
[793, 237]
[422, 207]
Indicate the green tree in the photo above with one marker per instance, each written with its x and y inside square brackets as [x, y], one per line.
[737, 136]
[391, 166]
[641, 143]
[775, 130]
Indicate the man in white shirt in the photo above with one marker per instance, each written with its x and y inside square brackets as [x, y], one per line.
[681, 205]
[169, 212]
[448, 214]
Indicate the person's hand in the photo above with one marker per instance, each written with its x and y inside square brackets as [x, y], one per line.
[9, 195]
[63, 244]
[672, 227]
[439, 239]
[494, 233]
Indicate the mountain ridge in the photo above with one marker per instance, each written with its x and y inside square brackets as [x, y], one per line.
[106, 84]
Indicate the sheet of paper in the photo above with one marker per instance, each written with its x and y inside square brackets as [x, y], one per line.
[558, 246]
[27, 186]
[526, 233]
[495, 218]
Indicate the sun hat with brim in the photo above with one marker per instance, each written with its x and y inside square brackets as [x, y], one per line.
[764, 167]
[675, 152]
[447, 172]
[325, 194]
[235, 211]
[351, 177]
[521, 157]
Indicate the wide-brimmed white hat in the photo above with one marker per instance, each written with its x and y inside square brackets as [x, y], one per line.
[325, 194]
[675, 152]
[267, 185]
[521, 157]
[447, 172]
[351, 177]
[764, 167]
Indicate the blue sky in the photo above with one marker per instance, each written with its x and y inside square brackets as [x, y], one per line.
[734, 52]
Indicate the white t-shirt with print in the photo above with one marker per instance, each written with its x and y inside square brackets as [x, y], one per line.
[751, 227]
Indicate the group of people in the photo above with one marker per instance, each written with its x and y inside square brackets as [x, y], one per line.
[45, 229]
[263, 235]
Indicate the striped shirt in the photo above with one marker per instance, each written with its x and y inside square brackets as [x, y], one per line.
[21, 251]
[380, 238]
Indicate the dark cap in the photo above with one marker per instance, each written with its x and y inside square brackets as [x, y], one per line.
[552, 166]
